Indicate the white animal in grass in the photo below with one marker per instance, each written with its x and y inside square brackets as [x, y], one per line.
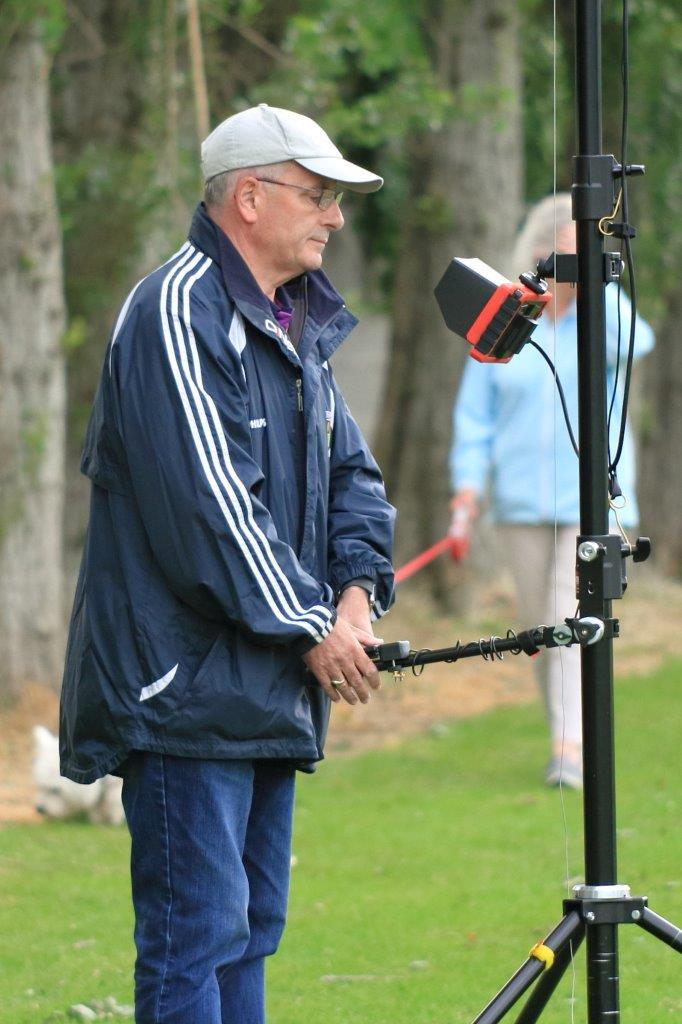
[58, 797]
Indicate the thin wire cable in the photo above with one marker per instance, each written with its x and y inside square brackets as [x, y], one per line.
[616, 509]
[568, 424]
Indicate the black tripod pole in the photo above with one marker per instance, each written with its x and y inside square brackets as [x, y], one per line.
[600, 905]
[593, 196]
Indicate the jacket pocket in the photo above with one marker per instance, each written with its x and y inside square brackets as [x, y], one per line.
[243, 691]
[173, 644]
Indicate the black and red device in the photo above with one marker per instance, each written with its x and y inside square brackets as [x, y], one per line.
[496, 316]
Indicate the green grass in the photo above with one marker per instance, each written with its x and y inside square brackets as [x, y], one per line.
[424, 876]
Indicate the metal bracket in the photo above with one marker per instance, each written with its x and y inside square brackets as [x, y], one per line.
[561, 266]
[600, 569]
[613, 266]
[587, 630]
[606, 904]
[601, 892]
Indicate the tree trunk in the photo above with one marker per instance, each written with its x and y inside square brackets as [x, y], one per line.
[196, 54]
[660, 470]
[465, 200]
[116, 135]
[31, 377]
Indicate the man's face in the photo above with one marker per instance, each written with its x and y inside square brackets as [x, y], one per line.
[291, 227]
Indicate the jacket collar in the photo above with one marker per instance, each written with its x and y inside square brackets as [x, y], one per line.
[312, 291]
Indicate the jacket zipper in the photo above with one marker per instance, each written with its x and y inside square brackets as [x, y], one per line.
[301, 460]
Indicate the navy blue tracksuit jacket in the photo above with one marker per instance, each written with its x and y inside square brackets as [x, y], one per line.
[233, 496]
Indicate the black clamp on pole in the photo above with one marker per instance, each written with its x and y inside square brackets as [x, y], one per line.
[593, 193]
[601, 565]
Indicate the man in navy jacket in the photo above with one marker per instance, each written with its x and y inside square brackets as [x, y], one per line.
[239, 544]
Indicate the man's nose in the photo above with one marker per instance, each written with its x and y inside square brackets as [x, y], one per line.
[333, 218]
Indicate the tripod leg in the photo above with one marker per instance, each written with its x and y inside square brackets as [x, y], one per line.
[545, 987]
[662, 929]
[567, 928]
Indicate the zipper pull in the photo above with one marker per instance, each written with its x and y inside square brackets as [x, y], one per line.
[299, 393]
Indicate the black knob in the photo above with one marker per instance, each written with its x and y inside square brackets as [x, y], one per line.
[642, 549]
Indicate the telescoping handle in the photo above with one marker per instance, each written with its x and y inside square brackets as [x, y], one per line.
[398, 655]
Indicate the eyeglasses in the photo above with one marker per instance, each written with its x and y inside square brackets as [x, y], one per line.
[323, 197]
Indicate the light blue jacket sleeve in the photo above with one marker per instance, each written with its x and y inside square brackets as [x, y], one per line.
[644, 336]
[473, 428]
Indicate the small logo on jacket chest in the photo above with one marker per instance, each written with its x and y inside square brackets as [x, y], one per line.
[275, 329]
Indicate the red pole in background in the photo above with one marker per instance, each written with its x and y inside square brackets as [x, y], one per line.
[456, 541]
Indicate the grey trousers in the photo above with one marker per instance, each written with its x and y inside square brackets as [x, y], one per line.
[545, 587]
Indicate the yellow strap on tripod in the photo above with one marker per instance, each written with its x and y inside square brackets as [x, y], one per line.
[542, 952]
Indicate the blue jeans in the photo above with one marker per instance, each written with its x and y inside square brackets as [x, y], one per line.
[211, 844]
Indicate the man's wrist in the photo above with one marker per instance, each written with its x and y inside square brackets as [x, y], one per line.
[361, 583]
[308, 643]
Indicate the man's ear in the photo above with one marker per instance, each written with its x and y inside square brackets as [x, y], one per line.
[246, 199]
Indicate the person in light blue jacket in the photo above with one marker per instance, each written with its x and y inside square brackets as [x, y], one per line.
[510, 434]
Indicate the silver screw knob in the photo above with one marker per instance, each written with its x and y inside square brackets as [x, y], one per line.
[588, 551]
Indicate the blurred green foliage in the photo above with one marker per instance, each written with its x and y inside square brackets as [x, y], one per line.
[75, 334]
[45, 17]
[372, 75]
[655, 139]
[366, 73]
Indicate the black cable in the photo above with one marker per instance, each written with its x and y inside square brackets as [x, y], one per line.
[616, 377]
[561, 394]
[631, 351]
[415, 655]
[625, 244]
[617, 374]
[622, 202]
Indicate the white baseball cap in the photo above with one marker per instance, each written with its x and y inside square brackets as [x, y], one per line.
[269, 135]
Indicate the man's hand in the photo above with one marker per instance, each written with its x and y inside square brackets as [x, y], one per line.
[341, 658]
[463, 514]
[353, 606]
[465, 500]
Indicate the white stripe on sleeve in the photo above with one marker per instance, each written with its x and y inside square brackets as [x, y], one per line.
[126, 305]
[246, 541]
[250, 527]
